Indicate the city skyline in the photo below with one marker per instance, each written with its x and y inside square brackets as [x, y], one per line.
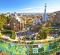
[29, 6]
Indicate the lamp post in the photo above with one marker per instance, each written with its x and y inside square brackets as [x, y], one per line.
[19, 40]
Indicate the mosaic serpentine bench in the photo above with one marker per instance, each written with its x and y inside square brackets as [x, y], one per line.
[13, 49]
[16, 49]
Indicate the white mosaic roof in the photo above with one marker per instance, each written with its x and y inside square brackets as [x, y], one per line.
[36, 21]
[17, 18]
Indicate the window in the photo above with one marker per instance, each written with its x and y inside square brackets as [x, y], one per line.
[14, 23]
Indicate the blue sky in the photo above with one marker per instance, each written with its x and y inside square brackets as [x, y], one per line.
[28, 6]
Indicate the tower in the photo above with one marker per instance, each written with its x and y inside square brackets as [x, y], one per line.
[45, 15]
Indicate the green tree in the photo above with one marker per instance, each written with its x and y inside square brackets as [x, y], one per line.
[48, 24]
[2, 21]
[8, 18]
[47, 30]
[42, 34]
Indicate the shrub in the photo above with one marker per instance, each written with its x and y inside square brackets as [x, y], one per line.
[9, 32]
[31, 42]
[40, 49]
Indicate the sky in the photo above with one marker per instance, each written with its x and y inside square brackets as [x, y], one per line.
[29, 6]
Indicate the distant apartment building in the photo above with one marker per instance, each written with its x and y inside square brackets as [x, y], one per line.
[56, 17]
[7, 14]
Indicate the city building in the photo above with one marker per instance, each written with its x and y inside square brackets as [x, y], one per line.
[36, 21]
[7, 14]
[16, 23]
[57, 17]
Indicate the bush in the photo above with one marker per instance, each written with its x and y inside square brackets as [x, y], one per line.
[52, 45]
[9, 32]
[13, 35]
[40, 49]
[31, 42]
[6, 32]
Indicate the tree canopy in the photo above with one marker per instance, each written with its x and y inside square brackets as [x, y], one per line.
[2, 21]
[42, 34]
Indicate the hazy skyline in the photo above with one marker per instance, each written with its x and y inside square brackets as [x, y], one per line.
[28, 6]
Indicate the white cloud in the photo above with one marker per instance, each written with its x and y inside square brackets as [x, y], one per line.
[38, 9]
[31, 10]
[53, 9]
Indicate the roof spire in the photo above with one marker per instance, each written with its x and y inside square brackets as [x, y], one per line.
[45, 5]
[45, 13]
[45, 8]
